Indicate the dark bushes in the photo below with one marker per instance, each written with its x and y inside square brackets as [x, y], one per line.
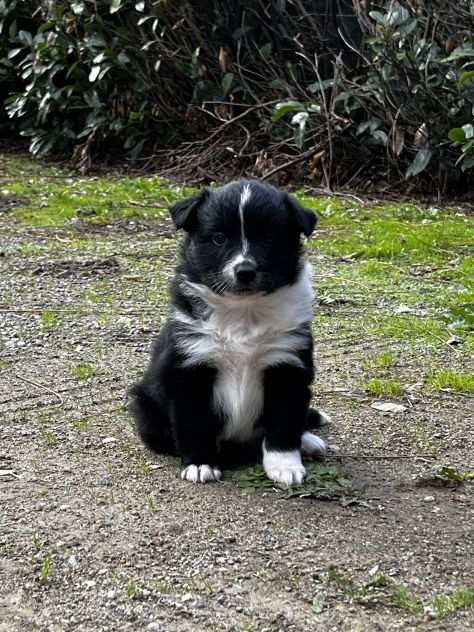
[336, 90]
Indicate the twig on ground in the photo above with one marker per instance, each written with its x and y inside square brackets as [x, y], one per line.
[290, 163]
[45, 388]
[380, 457]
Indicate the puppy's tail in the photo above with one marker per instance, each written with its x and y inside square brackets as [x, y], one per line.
[152, 423]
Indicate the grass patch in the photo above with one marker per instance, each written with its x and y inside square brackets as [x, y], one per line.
[404, 598]
[410, 328]
[45, 570]
[83, 371]
[81, 425]
[48, 437]
[133, 590]
[385, 388]
[452, 380]
[56, 196]
[322, 481]
[461, 599]
[396, 233]
[48, 319]
[382, 361]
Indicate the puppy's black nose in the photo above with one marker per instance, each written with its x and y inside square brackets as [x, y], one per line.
[245, 272]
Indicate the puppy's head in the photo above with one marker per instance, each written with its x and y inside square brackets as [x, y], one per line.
[243, 238]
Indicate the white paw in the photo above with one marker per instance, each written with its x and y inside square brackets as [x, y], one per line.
[201, 474]
[312, 445]
[325, 419]
[285, 468]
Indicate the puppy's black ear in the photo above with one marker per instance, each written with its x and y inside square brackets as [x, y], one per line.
[183, 213]
[305, 218]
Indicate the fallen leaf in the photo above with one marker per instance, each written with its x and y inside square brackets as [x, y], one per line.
[388, 407]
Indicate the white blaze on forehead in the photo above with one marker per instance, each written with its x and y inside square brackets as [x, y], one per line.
[244, 198]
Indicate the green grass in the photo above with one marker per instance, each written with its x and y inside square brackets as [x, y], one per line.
[383, 388]
[48, 437]
[382, 361]
[404, 598]
[133, 590]
[384, 590]
[461, 599]
[451, 380]
[81, 425]
[45, 570]
[402, 233]
[83, 371]
[48, 319]
[54, 197]
[410, 328]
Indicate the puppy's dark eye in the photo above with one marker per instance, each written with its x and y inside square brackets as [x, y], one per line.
[219, 239]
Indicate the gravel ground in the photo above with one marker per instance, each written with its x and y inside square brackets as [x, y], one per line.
[99, 535]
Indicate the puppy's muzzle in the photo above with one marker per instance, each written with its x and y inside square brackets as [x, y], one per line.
[245, 273]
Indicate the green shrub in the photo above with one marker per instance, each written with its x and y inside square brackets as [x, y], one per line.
[384, 92]
[412, 94]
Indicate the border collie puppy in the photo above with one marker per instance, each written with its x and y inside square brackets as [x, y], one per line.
[233, 365]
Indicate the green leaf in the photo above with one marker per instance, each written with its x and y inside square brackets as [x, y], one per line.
[285, 108]
[468, 163]
[460, 53]
[420, 162]
[77, 7]
[318, 86]
[227, 82]
[378, 17]
[457, 135]
[115, 6]
[25, 38]
[94, 73]
[14, 52]
[465, 77]
[379, 137]
[45, 27]
[266, 51]
[398, 16]
[468, 131]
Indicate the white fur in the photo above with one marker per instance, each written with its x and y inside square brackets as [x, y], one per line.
[325, 419]
[201, 474]
[285, 468]
[242, 336]
[312, 445]
[244, 198]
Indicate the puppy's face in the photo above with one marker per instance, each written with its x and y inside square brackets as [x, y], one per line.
[243, 238]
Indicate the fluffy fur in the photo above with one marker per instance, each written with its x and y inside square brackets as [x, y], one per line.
[230, 372]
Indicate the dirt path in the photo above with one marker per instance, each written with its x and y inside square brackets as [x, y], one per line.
[98, 535]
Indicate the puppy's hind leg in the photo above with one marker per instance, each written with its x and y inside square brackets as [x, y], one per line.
[311, 445]
[152, 422]
[316, 418]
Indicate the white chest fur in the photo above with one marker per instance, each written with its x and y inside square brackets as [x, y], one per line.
[241, 337]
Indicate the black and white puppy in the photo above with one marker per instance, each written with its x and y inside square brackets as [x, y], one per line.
[233, 365]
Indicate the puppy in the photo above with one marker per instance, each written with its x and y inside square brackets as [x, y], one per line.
[232, 368]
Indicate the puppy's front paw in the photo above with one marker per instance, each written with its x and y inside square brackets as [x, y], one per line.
[201, 474]
[312, 445]
[285, 468]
